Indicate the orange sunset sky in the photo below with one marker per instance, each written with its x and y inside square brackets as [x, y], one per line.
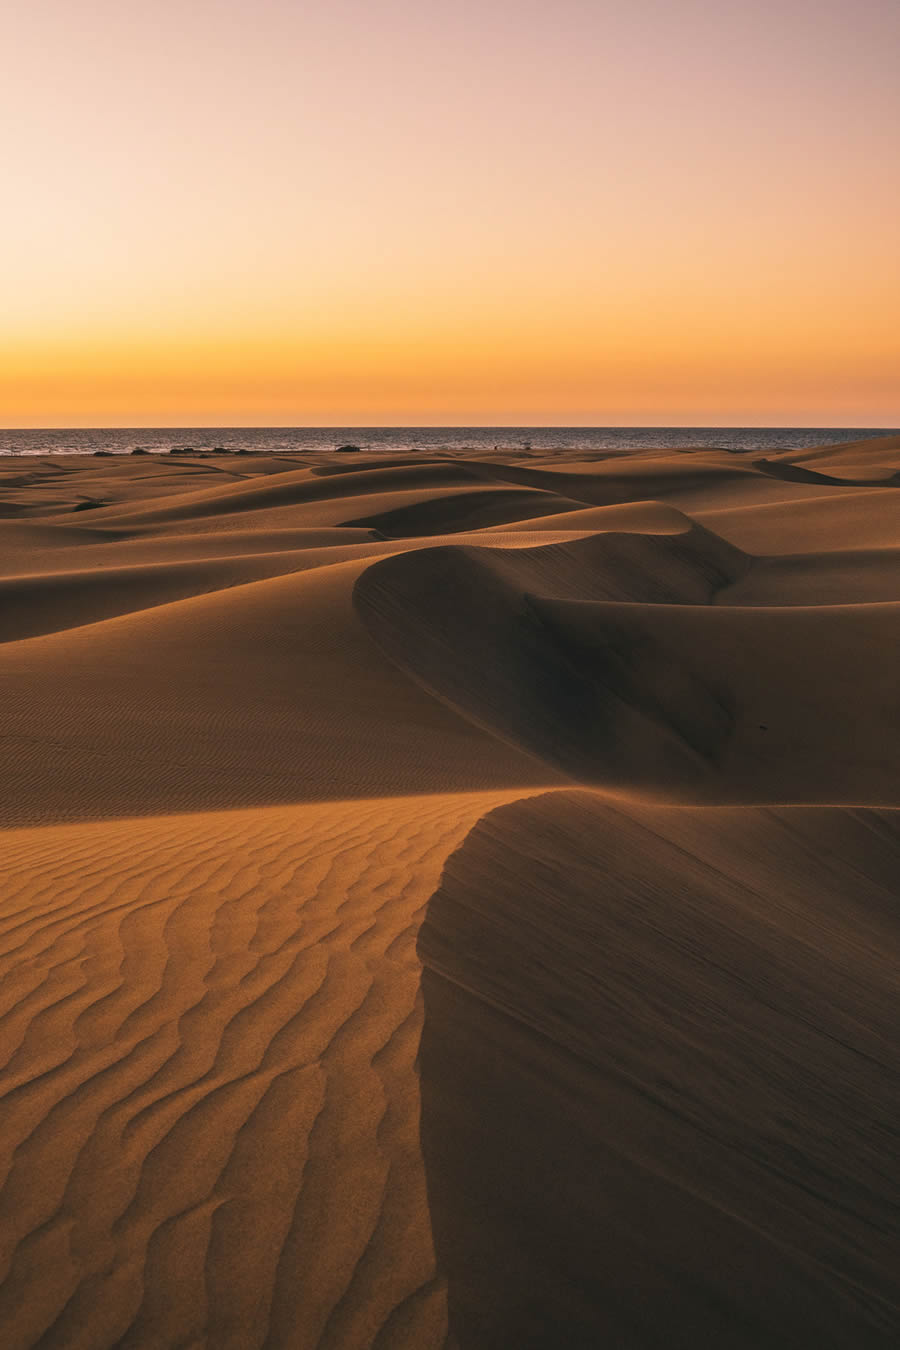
[410, 212]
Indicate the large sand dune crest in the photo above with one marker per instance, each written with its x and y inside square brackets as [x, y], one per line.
[250, 705]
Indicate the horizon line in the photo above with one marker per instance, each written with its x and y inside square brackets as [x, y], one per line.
[464, 426]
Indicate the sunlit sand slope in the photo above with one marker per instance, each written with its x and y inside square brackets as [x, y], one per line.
[209, 1106]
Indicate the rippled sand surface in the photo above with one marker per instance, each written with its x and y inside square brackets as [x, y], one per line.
[610, 746]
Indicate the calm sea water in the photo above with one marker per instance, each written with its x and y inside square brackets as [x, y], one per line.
[298, 439]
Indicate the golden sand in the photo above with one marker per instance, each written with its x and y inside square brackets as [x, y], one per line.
[624, 733]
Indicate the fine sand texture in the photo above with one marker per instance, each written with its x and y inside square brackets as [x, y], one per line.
[450, 901]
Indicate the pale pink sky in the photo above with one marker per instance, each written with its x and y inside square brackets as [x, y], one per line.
[650, 212]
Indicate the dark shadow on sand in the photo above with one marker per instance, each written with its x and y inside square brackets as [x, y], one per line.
[659, 1080]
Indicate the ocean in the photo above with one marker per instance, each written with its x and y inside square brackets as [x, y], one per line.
[123, 441]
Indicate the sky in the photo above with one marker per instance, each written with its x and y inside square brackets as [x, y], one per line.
[473, 212]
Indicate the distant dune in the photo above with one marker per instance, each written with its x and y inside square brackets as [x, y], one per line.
[620, 736]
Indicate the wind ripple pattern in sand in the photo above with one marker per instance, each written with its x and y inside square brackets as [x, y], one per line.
[209, 1104]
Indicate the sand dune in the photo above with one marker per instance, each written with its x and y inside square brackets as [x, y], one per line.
[679, 1028]
[873, 451]
[493, 651]
[667, 697]
[828, 521]
[209, 1115]
[252, 704]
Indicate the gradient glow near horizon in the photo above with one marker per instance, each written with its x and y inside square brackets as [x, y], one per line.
[407, 212]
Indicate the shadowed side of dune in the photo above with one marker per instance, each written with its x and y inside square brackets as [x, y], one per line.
[797, 473]
[789, 677]
[626, 479]
[659, 1080]
[605, 658]
[883, 451]
[848, 576]
[374, 466]
[460, 511]
[291, 488]
[472, 626]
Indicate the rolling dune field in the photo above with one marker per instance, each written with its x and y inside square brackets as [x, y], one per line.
[450, 901]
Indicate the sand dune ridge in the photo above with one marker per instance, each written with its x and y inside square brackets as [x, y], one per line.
[262, 715]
